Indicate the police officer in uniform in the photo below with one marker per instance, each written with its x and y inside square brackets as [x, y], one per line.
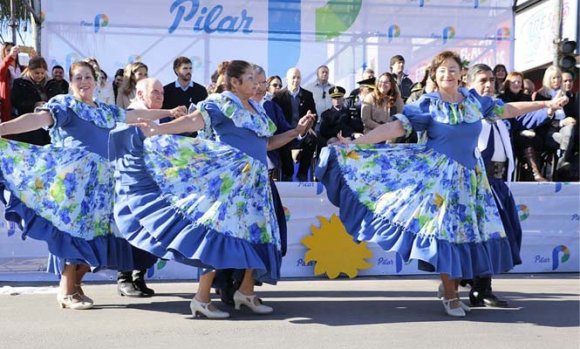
[339, 118]
[354, 100]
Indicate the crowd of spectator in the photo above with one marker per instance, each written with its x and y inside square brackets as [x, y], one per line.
[544, 151]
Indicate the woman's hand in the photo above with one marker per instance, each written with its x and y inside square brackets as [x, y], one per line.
[343, 140]
[305, 123]
[178, 111]
[557, 103]
[149, 128]
[14, 52]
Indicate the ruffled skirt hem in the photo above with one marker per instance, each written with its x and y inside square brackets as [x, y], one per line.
[149, 221]
[102, 252]
[459, 260]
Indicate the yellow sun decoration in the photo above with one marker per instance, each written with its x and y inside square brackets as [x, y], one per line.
[334, 250]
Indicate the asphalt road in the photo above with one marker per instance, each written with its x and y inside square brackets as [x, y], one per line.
[387, 312]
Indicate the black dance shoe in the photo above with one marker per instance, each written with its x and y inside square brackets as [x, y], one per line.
[127, 289]
[482, 296]
[485, 299]
[141, 286]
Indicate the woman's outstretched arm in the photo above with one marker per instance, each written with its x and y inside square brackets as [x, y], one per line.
[25, 123]
[384, 132]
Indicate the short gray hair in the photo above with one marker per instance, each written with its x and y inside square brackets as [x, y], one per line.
[258, 69]
[477, 69]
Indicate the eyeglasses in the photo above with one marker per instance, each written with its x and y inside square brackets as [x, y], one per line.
[451, 71]
[276, 85]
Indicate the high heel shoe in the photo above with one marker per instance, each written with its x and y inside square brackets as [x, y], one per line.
[82, 294]
[250, 302]
[73, 301]
[441, 293]
[203, 309]
[455, 312]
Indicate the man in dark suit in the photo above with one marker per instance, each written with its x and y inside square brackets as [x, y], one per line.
[295, 103]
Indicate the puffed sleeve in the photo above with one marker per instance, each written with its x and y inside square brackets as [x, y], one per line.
[58, 109]
[491, 108]
[415, 116]
[211, 115]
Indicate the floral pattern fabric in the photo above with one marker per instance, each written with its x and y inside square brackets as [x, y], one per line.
[216, 185]
[428, 193]
[472, 109]
[230, 106]
[70, 187]
[103, 115]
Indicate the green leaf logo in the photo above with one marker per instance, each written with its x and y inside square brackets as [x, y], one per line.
[335, 18]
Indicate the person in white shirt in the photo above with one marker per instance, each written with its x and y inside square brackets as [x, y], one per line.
[320, 90]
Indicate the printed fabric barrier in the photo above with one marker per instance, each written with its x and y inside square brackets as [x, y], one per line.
[549, 213]
[347, 35]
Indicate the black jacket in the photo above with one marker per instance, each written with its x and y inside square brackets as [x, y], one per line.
[284, 99]
[334, 121]
[405, 87]
[56, 87]
[24, 97]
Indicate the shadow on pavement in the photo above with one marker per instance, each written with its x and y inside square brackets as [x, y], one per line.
[347, 308]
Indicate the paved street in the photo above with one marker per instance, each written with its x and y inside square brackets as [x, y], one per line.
[389, 312]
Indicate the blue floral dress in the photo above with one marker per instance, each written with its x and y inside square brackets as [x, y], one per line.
[200, 202]
[62, 193]
[431, 202]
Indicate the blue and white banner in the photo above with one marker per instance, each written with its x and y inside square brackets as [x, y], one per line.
[549, 213]
[347, 35]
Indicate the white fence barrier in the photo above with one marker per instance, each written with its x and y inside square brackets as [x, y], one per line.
[549, 213]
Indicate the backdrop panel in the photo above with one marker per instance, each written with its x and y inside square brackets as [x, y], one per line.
[347, 35]
[549, 213]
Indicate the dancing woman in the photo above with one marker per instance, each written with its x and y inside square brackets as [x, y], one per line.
[63, 193]
[227, 281]
[204, 203]
[428, 202]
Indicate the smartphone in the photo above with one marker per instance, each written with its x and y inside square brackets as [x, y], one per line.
[23, 58]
